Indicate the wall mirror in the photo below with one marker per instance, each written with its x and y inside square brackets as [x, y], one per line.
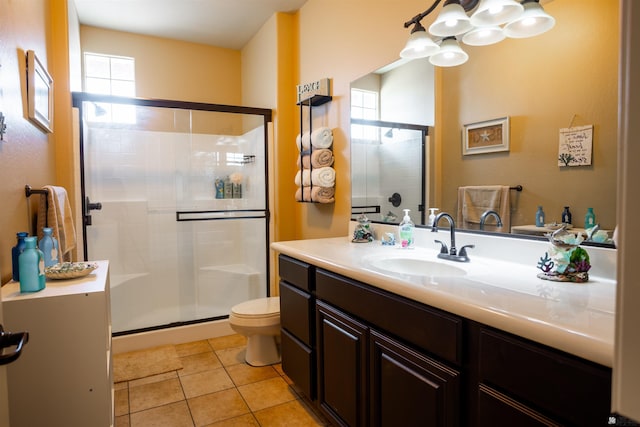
[543, 85]
[391, 113]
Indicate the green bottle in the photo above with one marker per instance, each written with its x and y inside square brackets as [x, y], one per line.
[589, 219]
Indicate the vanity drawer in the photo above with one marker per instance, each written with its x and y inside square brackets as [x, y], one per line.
[426, 328]
[296, 272]
[571, 389]
[297, 312]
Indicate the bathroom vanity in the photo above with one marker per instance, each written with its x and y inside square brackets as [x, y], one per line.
[376, 347]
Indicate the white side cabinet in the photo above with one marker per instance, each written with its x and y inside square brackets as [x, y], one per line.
[64, 374]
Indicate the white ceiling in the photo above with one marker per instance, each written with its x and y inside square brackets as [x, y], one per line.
[223, 23]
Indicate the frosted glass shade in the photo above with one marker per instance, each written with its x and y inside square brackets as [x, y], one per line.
[496, 12]
[451, 21]
[532, 22]
[449, 55]
[419, 45]
[483, 36]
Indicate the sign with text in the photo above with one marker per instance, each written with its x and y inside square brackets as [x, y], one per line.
[575, 146]
[309, 90]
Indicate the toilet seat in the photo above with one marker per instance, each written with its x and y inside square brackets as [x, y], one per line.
[263, 308]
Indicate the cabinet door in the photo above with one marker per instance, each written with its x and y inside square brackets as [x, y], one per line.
[342, 366]
[410, 389]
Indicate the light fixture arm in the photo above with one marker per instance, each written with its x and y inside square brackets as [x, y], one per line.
[416, 19]
[467, 5]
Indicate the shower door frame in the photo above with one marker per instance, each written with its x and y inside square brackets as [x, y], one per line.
[78, 99]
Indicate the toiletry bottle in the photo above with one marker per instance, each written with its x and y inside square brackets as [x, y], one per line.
[432, 215]
[589, 219]
[31, 265]
[15, 253]
[405, 231]
[49, 247]
[566, 215]
[539, 217]
[219, 187]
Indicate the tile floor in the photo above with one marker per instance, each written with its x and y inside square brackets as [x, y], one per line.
[215, 387]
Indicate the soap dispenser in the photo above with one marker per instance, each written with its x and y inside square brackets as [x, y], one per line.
[432, 215]
[405, 230]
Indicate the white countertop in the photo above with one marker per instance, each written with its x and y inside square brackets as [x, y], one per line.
[575, 318]
[93, 282]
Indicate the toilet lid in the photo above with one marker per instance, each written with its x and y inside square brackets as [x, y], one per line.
[261, 307]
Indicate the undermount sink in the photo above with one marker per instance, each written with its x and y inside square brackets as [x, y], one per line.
[415, 267]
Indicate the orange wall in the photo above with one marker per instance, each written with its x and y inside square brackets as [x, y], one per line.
[172, 69]
[27, 155]
[344, 40]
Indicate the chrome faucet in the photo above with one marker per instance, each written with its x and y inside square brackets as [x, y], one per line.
[445, 253]
[487, 214]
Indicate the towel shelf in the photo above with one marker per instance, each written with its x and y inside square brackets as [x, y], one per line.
[315, 101]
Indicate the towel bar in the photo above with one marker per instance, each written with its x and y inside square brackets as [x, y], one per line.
[517, 188]
[28, 191]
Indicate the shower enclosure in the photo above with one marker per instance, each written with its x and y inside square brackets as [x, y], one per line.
[175, 197]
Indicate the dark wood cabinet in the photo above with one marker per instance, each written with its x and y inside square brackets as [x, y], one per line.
[368, 357]
[342, 366]
[297, 321]
[410, 389]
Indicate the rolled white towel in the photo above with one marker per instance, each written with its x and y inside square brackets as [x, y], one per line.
[303, 142]
[322, 138]
[306, 178]
[323, 177]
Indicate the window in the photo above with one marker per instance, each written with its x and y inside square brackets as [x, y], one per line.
[364, 105]
[110, 75]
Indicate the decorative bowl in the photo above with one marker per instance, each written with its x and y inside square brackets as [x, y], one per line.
[69, 270]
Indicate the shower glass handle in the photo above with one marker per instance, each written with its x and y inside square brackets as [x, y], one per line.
[88, 207]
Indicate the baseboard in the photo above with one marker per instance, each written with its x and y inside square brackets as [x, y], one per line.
[177, 335]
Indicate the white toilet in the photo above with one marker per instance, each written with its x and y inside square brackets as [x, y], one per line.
[259, 321]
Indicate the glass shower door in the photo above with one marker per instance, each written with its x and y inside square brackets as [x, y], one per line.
[179, 251]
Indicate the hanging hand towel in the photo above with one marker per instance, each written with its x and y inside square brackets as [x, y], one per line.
[303, 142]
[306, 178]
[322, 138]
[323, 177]
[55, 212]
[473, 201]
[317, 159]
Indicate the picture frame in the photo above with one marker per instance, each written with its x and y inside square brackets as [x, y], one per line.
[489, 136]
[39, 93]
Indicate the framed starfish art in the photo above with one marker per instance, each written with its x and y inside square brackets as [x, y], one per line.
[486, 137]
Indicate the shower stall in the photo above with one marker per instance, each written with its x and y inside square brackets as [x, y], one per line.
[175, 197]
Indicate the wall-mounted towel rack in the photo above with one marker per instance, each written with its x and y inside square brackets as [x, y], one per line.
[28, 191]
[516, 187]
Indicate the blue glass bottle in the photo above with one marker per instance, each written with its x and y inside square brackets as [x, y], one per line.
[15, 253]
[49, 247]
[31, 265]
[540, 217]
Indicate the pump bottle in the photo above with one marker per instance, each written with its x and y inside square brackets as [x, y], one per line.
[405, 231]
